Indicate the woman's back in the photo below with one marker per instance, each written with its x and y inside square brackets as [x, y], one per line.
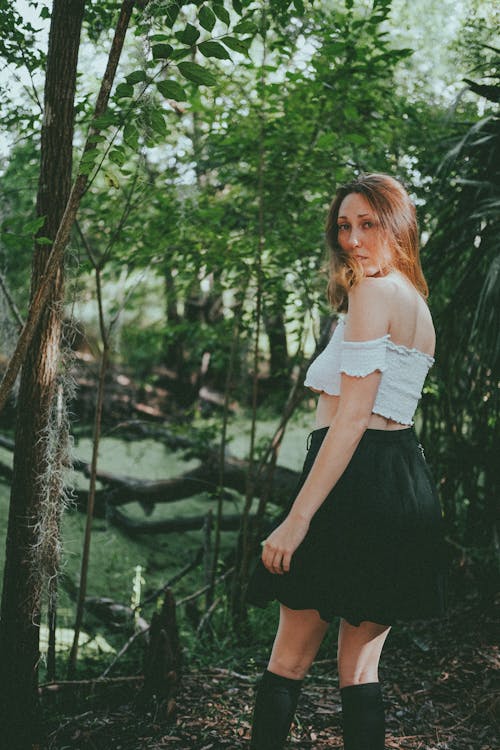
[410, 318]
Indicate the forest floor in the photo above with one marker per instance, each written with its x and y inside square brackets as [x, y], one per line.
[438, 681]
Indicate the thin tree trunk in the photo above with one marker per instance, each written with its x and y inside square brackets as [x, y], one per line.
[20, 611]
[274, 322]
[245, 538]
[174, 352]
[222, 450]
[92, 486]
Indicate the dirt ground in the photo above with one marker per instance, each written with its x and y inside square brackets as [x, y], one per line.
[438, 681]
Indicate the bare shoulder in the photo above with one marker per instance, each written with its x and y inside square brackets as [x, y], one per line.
[369, 308]
[372, 292]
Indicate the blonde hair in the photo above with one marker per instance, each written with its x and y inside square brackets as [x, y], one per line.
[398, 221]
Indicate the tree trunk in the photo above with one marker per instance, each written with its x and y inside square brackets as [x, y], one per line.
[278, 349]
[20, 611]
[173, 348]
[163, 659]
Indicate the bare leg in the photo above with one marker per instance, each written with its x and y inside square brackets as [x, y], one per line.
[299, 636]
[297, 641]
[363, 715]
[359, 650]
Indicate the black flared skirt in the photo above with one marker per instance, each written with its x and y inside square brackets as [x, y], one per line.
[375, 549]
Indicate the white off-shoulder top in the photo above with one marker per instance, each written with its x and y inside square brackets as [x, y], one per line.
[403, 371]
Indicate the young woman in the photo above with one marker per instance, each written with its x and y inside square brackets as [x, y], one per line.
[363, 537]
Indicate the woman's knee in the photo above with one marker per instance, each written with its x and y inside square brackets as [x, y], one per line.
[293, 668]
[359, 650]
[297, 641]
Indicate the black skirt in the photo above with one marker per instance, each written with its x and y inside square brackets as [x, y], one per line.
[375, 548]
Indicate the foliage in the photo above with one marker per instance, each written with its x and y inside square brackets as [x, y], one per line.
[464, 272]
[19, 223]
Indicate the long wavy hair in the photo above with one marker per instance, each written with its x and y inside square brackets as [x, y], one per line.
[397, 219]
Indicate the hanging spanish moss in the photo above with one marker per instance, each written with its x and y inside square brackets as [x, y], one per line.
[55, 487]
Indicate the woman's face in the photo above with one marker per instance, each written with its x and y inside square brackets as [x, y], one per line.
[360, 234]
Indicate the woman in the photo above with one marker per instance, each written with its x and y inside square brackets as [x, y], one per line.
[363, 537]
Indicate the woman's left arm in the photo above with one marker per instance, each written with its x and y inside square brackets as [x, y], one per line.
[367, 319]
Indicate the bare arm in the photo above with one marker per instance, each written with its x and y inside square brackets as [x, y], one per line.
[367, 319]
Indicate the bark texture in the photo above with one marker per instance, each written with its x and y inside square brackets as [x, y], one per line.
[20, 610]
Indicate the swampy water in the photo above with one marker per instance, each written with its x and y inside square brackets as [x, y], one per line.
[114, 556]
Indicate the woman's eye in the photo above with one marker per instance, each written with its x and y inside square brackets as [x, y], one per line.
[343, 226]
[368, 224]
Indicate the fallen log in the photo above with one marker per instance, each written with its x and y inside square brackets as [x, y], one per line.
[132, 526]
[203, 478]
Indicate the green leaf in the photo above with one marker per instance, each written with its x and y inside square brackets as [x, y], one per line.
[246, 27]
[357, 138]
[350, 112]
[90, 156]
[45, 13]
[96, 138]
[158, 122]
[162, 51]
[189, 35]
[171, 14]
[194, 72]
[136, 77]
[222, 14]
[88, 161]
[172, 90]
[14, 241]
[124, 90]
[131, 135]
[105, 120]
[207, 17]
[31, 227]
[117, 156]
[178, 54]
[238, 7]
[238, 45]
[214, 49]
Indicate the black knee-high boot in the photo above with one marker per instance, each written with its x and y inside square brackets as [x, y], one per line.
[275, 705]
[363, 717]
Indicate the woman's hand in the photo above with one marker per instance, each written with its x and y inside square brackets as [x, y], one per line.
[280, 545]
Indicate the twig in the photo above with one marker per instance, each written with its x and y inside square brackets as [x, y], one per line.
[10, 301]
[231, 673]
[60, 684]
[123, 650]
[206, 617]
[190, 566]
[204, 588]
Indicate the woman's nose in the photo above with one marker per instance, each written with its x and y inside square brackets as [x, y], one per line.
[354, 241]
